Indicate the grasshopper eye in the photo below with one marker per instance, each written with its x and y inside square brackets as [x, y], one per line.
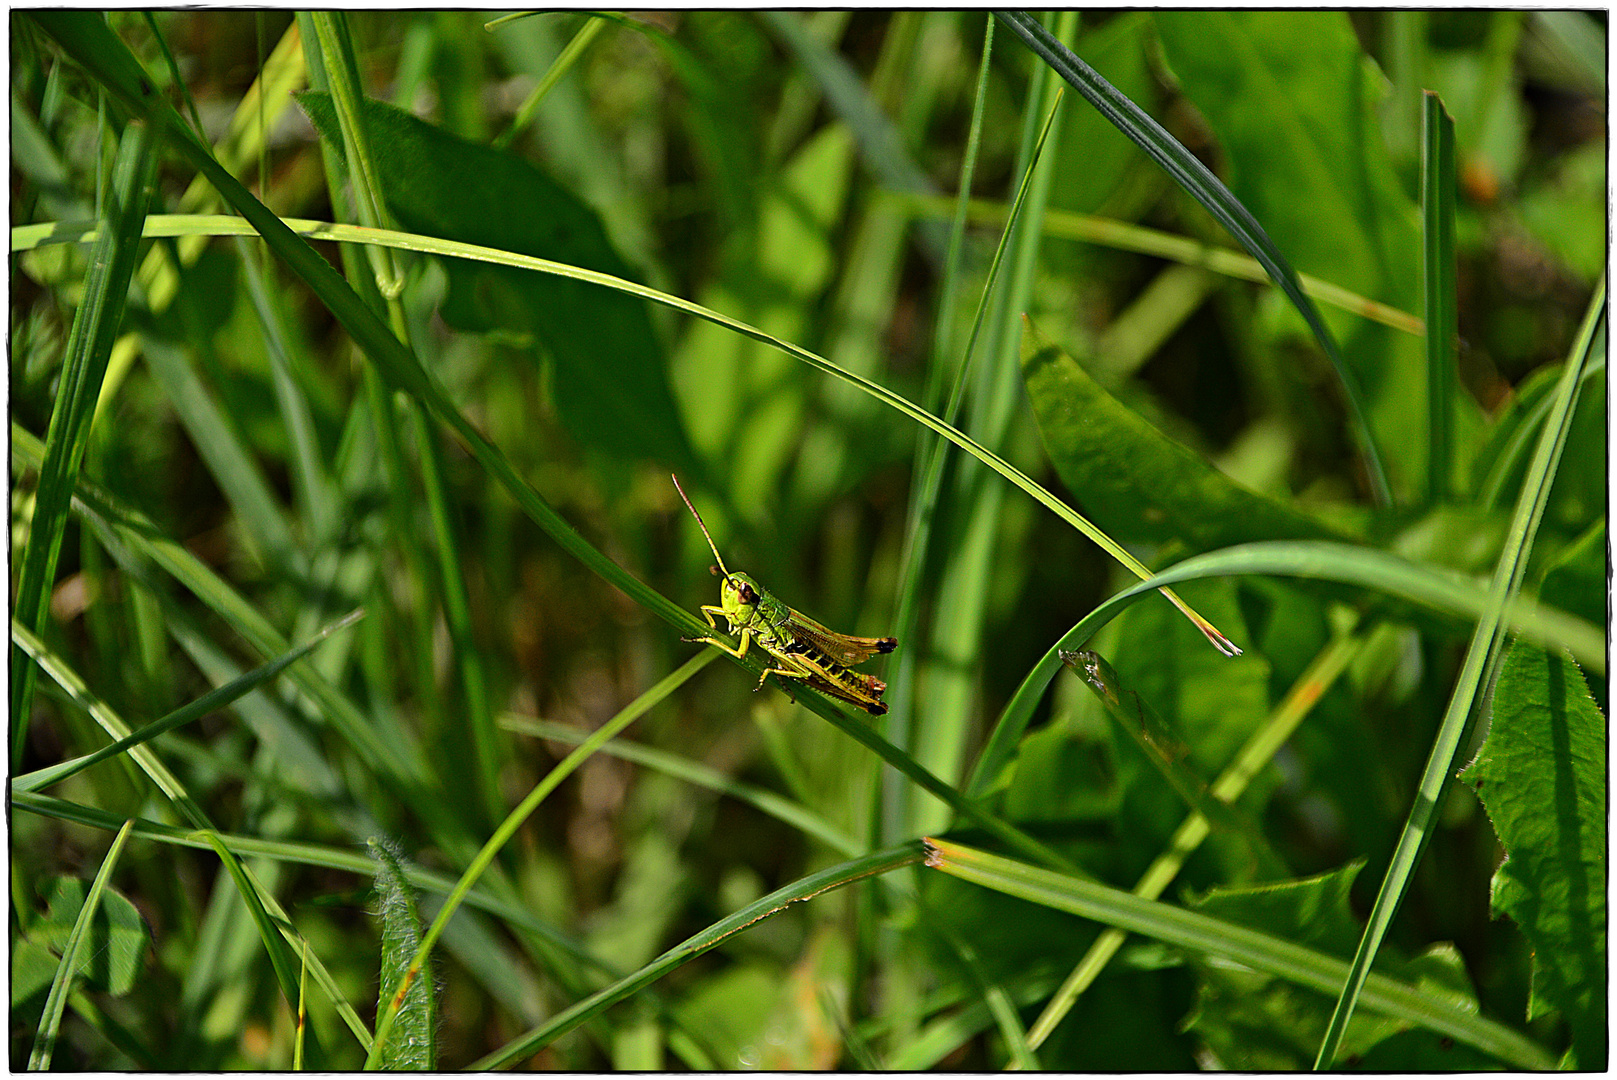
[747, 595]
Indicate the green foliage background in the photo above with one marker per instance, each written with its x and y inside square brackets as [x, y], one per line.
[250, 476]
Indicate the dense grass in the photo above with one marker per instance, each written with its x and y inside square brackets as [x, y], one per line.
[947, 338]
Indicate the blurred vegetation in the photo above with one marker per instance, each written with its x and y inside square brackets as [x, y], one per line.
[251, 476]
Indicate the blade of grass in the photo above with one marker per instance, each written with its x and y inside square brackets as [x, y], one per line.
[1438, 194]
[95, 326]
[1216, 937]
[210, 702]
[56, 1000]
[983, 512]
[1231, 783]
[1199, 181]
[336, 60]
[593, 25]
[1127, 236]
[1432, 587]
[1480, 659]
[791, 813]
[270, 931]
[507, 829]
[406, 372]
[880, 862]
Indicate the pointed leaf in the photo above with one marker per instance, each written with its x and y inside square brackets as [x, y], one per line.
[1135, 482]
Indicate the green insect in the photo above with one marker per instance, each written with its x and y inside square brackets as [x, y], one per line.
[801, 647]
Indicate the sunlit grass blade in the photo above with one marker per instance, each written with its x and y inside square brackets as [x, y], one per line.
[939, 737]
[282, 959]
[336, 61]
[1480, 659]
[1438, 196]
[1217, 937]
[1128, 236]
[807, 888]
[1199, 181]
[89, 346]
[56, 1001]
[210, 702]
[480, 447]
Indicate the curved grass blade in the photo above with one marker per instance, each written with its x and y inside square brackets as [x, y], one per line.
[56, 1001]
[594, 23]
[1480, 660]
[1217, 937]
[1432, 587]
[880, 862]
[1208, 190]
[89, 346]
[400, 366]
[210, 702]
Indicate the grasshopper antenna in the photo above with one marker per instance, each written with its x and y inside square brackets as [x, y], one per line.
[700, 524]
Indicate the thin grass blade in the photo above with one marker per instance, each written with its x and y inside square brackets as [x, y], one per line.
[210, 702]
[89, 345]
[1439, 193]
[1207, 189]
[1480, 659]
[56, 1001]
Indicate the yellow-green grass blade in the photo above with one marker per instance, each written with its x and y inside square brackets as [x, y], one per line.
[416, 381]
[1430, 587]
[1189, 172]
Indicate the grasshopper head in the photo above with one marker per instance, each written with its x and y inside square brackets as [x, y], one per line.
[738, 597]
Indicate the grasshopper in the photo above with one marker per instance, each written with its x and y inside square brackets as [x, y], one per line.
[801, 647]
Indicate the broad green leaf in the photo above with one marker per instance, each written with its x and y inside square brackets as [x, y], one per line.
[1542, 778]
[1136, 483]
[115, 951]
[1256, 1021]
[1294, 103]
[610, 375]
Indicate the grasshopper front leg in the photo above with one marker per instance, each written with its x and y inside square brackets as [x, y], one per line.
[746, 635]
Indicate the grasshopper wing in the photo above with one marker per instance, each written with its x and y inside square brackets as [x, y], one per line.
[845, 649]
